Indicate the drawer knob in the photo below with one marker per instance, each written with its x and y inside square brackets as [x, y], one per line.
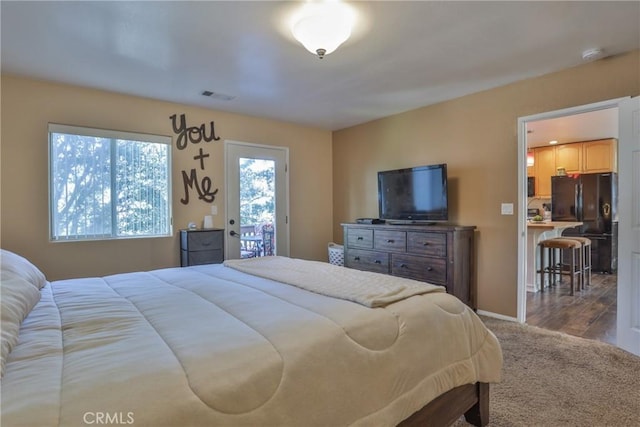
[377, 261]
[390, 240]
[425, 244]
[403, 265]
[429, 268]
[356, 258]
[360, 238]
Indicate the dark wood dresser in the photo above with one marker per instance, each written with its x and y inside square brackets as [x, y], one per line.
[438, 254]
[201, 246]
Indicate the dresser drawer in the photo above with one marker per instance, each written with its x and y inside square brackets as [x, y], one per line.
[215, 256]
[441, 254]
[201, 246]
[367, 260]
[360, 238]
[432, 270]
[202, 240]
[428, 244]
[395, 241]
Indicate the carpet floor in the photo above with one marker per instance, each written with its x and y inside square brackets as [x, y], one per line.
[554, 379]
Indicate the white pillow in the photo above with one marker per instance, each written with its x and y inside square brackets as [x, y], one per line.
[22, 267]
[17, 298]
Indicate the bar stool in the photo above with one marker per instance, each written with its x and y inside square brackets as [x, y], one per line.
[554, 268]
[586, 257]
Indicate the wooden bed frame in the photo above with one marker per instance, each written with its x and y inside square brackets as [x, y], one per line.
[470, 400]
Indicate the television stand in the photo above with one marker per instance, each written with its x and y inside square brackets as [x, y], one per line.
[441, 254]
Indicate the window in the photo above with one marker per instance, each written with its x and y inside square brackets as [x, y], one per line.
[107, 184]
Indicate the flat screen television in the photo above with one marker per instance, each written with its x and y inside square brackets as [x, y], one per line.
[414, 195]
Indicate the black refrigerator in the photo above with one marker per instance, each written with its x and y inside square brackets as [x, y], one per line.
[592, 199]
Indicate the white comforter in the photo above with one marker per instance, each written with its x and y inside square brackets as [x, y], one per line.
[210, 345]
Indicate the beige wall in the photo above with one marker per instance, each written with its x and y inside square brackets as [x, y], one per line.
[476, 136]
[29, 105]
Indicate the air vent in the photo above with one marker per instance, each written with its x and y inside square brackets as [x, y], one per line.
[216, 95]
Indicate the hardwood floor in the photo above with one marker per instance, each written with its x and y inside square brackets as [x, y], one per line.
[590, 313]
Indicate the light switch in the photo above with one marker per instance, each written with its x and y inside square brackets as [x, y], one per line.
[214, 210]
[506, 209]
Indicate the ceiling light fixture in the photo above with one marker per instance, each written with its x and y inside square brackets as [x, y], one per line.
[323, 26]
[553, 142]
[592, 54]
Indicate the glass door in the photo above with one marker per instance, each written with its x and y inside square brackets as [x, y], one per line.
[257, 202]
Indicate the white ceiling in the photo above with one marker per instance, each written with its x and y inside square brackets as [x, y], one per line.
[402, 55]
[589, 126]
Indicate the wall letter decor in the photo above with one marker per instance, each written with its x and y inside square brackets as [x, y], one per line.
[195, 135]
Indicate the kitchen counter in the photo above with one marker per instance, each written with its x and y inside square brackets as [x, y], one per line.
[551, 225]
[536, 232]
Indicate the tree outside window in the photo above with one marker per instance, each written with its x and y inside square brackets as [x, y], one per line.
[108, 184]
[257, 191]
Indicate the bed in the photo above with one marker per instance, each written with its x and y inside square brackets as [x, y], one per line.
[268, 341]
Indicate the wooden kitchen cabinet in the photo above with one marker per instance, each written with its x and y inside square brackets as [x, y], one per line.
[578, 157]
[599, 156]
[545, 168]
[569, 157]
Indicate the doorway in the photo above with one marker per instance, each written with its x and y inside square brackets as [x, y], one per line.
[591, 313]
[257, 200]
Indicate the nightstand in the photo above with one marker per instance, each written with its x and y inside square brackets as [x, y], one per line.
[202, 246]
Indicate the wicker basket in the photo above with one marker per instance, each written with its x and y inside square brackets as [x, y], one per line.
[336, 254]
